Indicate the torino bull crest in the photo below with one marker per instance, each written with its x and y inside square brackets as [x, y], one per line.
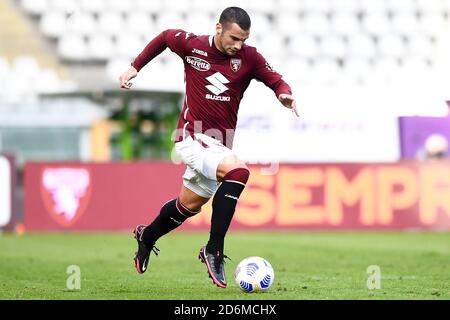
[66, 192]
[235, 64]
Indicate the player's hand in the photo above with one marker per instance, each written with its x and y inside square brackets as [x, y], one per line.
[126, 77]
[289, 102]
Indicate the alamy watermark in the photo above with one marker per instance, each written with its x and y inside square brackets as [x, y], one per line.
[73, 282]
[216, 137]
[374, 279]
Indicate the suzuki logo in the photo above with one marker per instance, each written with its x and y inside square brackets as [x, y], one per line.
[218, 82]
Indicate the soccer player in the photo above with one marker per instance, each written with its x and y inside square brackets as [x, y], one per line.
[218, 69]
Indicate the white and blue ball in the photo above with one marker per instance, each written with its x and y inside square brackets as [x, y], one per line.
[254, 274]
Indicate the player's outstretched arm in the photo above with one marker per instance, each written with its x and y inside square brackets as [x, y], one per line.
[289, 102]
[126, 77]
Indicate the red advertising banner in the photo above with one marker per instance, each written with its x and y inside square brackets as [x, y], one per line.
[118, 196]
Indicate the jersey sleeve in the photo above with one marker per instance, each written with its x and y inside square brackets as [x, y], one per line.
[265, 73]
[174, 39]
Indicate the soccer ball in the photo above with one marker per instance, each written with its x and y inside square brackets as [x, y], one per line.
[254, 274]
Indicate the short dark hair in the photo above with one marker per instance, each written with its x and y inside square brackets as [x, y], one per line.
[236, 15]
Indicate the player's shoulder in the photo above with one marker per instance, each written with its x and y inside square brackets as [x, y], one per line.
[249, 48]
[182, 34]
[249, 51]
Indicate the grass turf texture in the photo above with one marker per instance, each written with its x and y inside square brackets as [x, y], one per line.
[307, 266]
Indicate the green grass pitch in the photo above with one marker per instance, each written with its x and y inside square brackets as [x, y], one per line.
[318, 265]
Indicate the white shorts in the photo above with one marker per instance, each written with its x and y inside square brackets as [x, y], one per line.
[202, 162]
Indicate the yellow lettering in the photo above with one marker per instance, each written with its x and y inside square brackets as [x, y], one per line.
[389, 199]
[295, 196]
[340, 191]
[435, 193]
[256, 205]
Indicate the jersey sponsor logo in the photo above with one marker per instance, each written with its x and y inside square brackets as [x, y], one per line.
[218, 82]
[217, 98]
[198, 63]
[201, 52]
[235, 64]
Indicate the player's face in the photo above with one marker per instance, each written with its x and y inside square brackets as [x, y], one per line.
[230, 38]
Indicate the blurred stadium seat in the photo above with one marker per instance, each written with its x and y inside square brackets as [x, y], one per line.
[101, 47]
[346, 41]
[68, 6]
[376, 23]
[316, 24]
[127, 45]
[92, 6]
[370, 6]
[199, 22]
[303, 46]
[35, 7]
[351, 7]
[421, 46]
[73, 47]
[405, 23]
[140, 23]
[82, 23]
[345, 23]
[361, 46]
[152, 7]
[169, 20]
[261, 24]
[434, 24]
[53, 24]
[118, 6]
[315, 6]
[392, 46]
[402, 6]
[110, 22]
[435, 6]
[288, 23]
[176, 6]
[355, 71]
[334, 47]
[327, 72]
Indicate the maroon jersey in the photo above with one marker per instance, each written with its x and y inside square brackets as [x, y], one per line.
[215, 82]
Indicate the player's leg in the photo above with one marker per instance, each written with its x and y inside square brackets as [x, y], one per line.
[233, 174]
[210, 162]
[172, 214]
